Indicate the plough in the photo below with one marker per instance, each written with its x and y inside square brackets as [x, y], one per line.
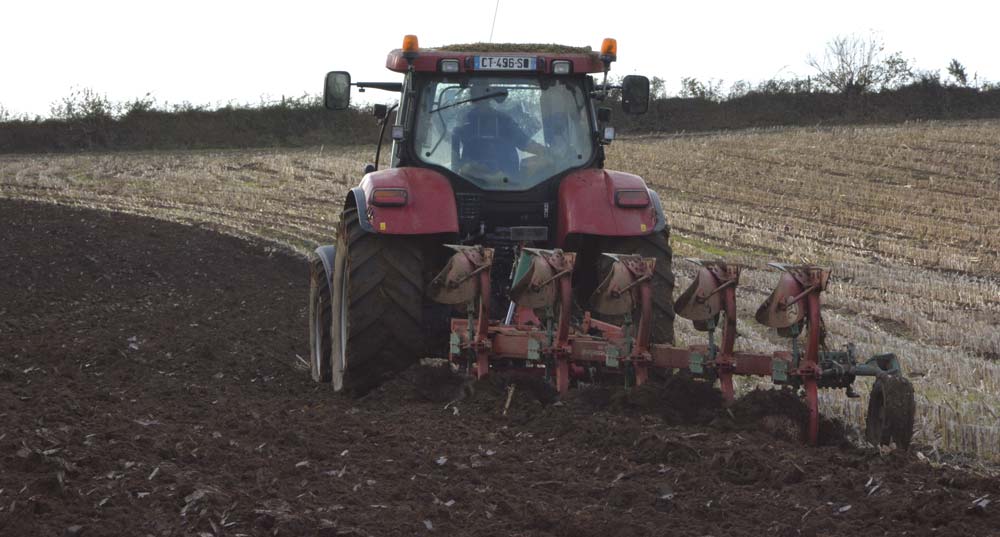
[544, 334]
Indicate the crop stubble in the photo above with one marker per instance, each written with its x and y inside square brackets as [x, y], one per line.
[908, 217]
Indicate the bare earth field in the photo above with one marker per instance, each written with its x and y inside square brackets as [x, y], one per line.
[908, 216]
[149, 386]
[150, 379]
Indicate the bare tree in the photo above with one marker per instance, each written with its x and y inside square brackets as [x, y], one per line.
[853, 64]
[657, 88]
[957, 71]
[709, 90]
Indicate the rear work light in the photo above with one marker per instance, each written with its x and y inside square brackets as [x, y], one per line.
[632, 198]
[449, 66]
[388, 197]
[561, 67]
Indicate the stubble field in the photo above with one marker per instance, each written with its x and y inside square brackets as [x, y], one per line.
[907, 216]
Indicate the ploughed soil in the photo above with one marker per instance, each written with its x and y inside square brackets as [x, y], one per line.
[151, 384]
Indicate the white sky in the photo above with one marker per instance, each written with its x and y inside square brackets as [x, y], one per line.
[210, 52]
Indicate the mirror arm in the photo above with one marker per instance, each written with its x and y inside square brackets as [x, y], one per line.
[603, 92]
[385, 86]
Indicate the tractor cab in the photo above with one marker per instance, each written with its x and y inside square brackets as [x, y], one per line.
[509, 126]
[500, 117]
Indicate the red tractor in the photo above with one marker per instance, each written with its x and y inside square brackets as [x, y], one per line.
[501, 149]
[497, 237]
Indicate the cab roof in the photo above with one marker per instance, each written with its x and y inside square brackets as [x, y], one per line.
[583, 59]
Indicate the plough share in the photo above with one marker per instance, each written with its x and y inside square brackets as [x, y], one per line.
[544, 334]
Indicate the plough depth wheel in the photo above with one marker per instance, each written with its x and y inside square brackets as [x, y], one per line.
[890, 412]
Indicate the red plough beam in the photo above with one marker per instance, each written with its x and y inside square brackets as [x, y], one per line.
[545, 338]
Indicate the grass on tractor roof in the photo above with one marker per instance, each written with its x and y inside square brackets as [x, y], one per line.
[515, 47]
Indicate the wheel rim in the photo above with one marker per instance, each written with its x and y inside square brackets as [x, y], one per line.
[344, 299]
[339, 359]
[317, 350]
[875, 426]
[880, 421]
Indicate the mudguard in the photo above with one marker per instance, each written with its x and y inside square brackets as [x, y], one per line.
[430, 204]
[587, 206]
[327, 254]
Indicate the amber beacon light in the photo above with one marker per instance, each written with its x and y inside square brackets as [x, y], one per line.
[410, 43]
[609, 49]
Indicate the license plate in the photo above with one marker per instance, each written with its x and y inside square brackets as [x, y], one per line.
[504, 63]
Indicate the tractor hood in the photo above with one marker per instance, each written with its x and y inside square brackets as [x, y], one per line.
[608, 203]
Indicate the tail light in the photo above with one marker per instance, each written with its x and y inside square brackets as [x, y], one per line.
[388, 197]
[632, 198]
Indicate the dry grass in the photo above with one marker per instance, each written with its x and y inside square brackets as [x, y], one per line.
[287, 196]
[908, 217]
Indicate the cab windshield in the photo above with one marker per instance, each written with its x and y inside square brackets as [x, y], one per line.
[503, 133]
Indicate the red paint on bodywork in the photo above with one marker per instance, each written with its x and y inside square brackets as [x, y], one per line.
[428, 60]
[587, 205]
[430, 205]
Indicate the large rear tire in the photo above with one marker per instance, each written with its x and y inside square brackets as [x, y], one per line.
[377, 305]
[655, 245]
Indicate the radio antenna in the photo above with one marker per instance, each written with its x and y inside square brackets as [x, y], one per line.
[494, 25]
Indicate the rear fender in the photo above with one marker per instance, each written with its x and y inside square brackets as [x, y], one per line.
[587, 206]
[327, 254]
[430, 203]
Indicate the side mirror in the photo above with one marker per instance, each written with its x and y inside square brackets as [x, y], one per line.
[337, 90]
[635, 94]
[380, 111]
[604, 114]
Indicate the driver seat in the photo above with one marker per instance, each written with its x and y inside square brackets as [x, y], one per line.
[485, 140]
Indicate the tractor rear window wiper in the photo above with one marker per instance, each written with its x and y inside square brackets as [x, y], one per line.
[501, 93]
